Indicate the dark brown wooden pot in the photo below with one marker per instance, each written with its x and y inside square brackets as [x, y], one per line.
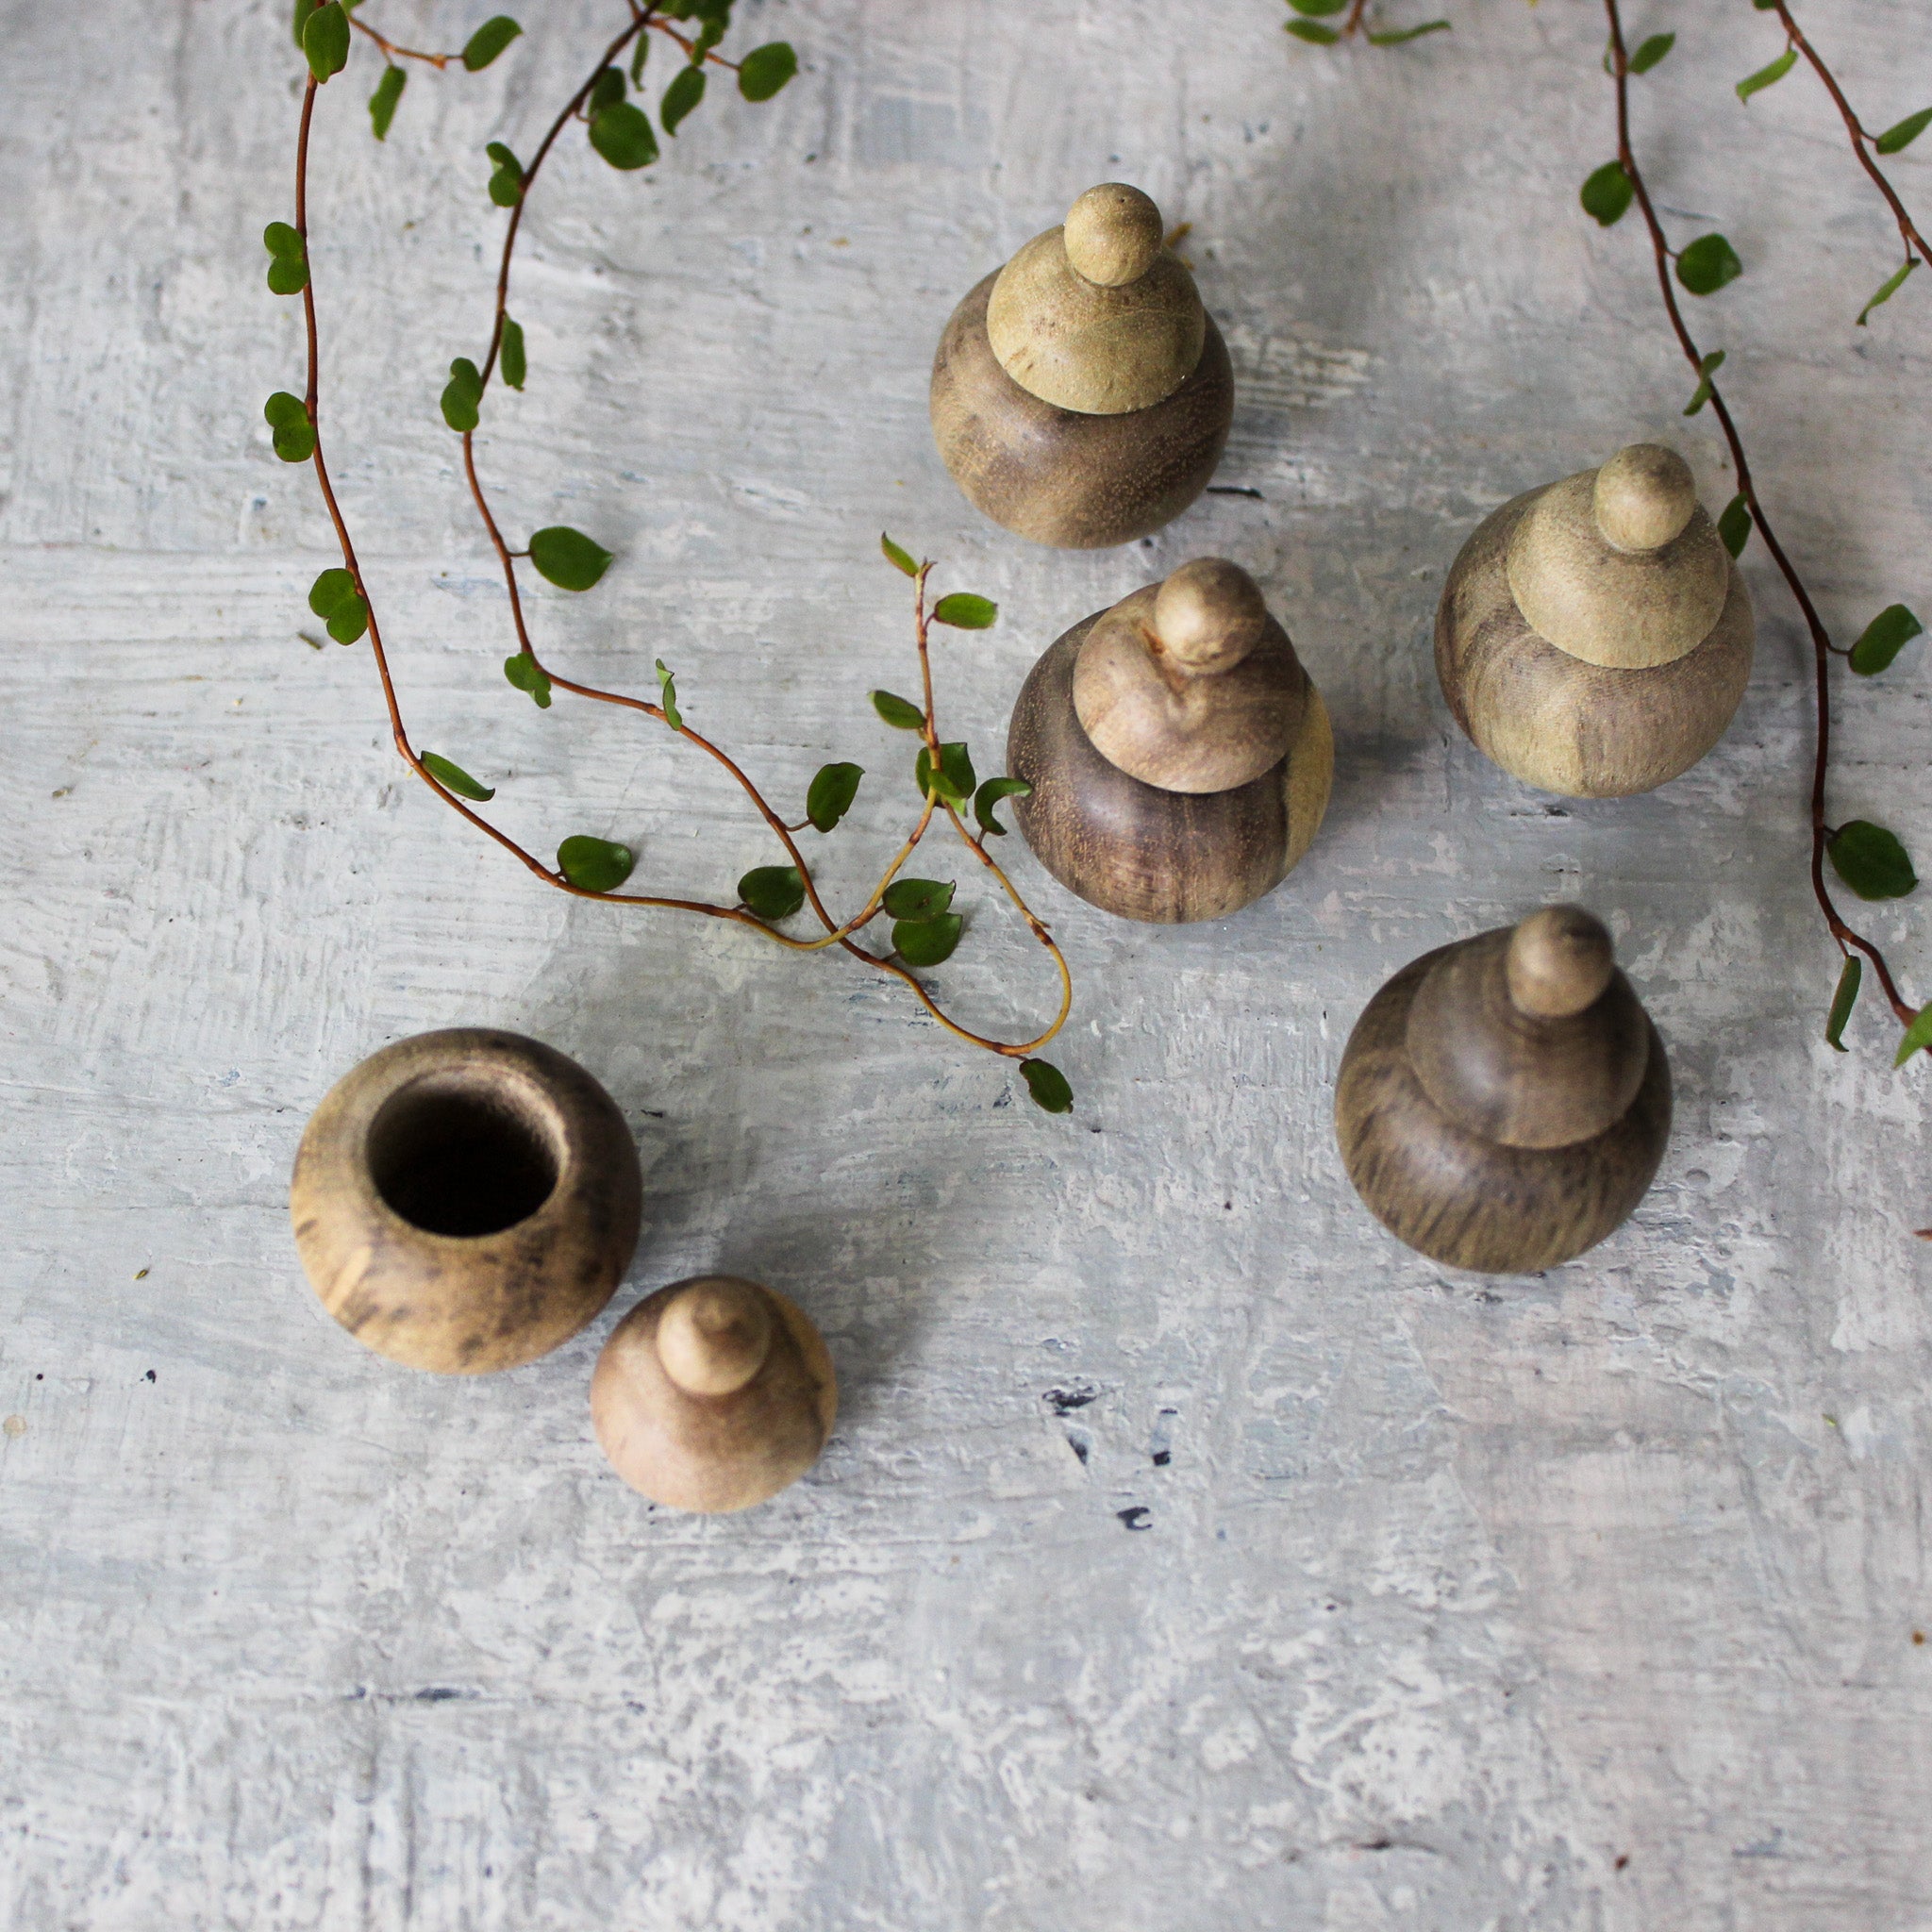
[466, 1200]
[1060, 476]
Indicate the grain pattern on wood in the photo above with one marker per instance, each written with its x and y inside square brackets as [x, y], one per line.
[1554, 720]
[465, 1201]
[713, 1394]
[1059, 477]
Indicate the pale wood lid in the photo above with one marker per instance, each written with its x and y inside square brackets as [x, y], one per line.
[1098, 316]
[1190, 685]
[1622, 566]
[1529, 1035]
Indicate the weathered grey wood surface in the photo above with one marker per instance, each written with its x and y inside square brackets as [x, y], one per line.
[1187, 1555]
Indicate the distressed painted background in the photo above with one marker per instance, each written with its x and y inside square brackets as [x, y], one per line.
[1188, 1554]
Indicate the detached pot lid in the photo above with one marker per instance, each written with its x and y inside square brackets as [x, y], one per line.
[1622, 566]
[1099, 316]
[1190, 685]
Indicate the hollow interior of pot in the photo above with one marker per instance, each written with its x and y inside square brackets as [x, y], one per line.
[464, 1154]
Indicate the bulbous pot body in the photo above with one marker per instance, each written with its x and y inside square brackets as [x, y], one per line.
[1133, 849]
[1060, 476]
[466, 1200]
[1582, 730]
[1468, 1201]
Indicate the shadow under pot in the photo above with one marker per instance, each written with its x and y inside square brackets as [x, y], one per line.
[1082, 395]
[1179, 756]
[1594, 637]
[1503, 1102]
[465, 1201]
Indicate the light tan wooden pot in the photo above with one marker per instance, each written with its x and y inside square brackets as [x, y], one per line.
[713, 1394]
[465, 1201]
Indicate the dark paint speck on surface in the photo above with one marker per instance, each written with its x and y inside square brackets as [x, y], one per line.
[1138, 1517]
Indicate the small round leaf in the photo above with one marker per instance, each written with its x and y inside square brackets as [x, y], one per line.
[772, 891]
[1870, 860]
[527, 675]
[1883, 639]
[567, 557]
[964, 612]
[912, 900]
[1707, 264]
[1048, 1086]
[1608, 193]
[382, 103]
[831, 794]
[595, 864]
[765, 70]
[489, 41]
[330, 592]
[928, 942]
[325, 40]
[898, 712]
[624, 136]
[686, 91]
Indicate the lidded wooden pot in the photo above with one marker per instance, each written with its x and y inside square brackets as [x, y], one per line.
[1503, 1102]
[1594, 637]
[465, 1200]
[713, 1394]
[1081, 397]
[1180, 758]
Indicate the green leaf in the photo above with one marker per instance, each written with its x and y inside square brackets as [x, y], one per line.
[897, 712]
[489, 41]
[773, 891]
[330, 592]
[303, 9]
[510, 353]
[295, 433]
[765, 70]
[1048, 1086]
[1608, 193]
[454, 778]
[623, 135]
[325, 40]
[1734, 526]
[348, 619]
[1917, 1035]
[1707, 264]
[1843, 1000]
[1893, 284]
[1393, 37]
[911, 900]
[507, 183]
[1768, 76]
[1870, 860]
[831, 794]
[964, 612]
[598, 865]
[953, 780]
[288, 275]
[382, 103]
[606, 91]
[1705, 370]
[567, 557]
[640, 53]
[527, 675]
[667, 685]
[990, 795]
[899, 559]
[1883, 639]
[1318, 9]
[1651, 52]
[462, 397]
[282, 410]
[283, 242]
[928, 942]
[1905, 133]
[1315, 34]
[686, 91]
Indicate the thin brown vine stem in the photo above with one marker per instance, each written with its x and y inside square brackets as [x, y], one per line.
[1843, 936]
[393, 52]
[1907, 229]
[1352, 25]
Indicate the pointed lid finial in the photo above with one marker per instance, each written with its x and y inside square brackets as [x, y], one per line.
[1098, 316]
[714, 1336]
[1190, 685]
[1620, 566]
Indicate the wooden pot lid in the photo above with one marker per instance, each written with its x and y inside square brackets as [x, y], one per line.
[1530, 1037]
[1190, 685]
[1622, 566]
[1098, 316]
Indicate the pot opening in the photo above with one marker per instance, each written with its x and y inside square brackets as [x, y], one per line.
[463, 1160]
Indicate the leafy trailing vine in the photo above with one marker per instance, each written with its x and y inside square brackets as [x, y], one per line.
[925, 929]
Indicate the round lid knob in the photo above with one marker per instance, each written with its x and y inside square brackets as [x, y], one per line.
[1620, 566]
[714, 1336]
[1529, 1035]
[1190, 685]
[1098, 316]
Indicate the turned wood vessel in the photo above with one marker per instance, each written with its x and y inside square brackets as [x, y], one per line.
[1503, 1102]
[466, 1200]
[1594, 637]
[713, 1394]
[1180, 758]
[1081, 395]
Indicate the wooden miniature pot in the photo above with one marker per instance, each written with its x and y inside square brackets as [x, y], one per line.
[1610, 710]
[1487, 1134]
[713, 1394]
[466, 1200]
[1081, 395]
[1145, 851]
